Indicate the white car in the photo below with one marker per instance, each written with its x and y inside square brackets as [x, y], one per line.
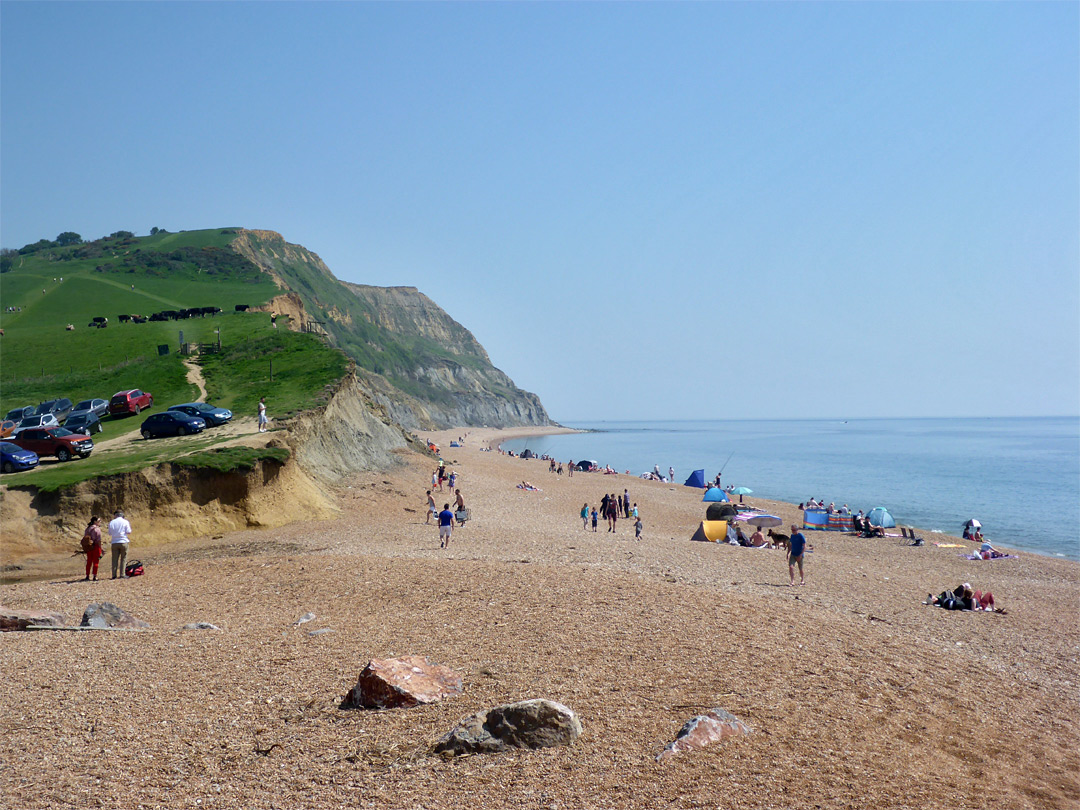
[38, 420]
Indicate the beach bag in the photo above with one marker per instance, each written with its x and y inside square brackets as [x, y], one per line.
[134, 568]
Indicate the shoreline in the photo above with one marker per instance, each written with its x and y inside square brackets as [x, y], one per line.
[928, 532]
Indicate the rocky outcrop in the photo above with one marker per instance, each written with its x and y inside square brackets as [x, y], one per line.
[106, 615]
[394, 683]
[15, 619]
[705, 729]
[528, 724]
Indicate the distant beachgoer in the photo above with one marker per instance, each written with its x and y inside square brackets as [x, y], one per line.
[432, 511]
[671, 474]
[844, 510]
[559, 471]
[637, 529]
[570, 469]
[626, 503]
[585, 516]
[120, 537]
[446, 526]
[92, 546]
[796, 547]
[453, 480]
[595, 518]
[757, 539]
[263, 419]
[634, 511]
[459, 503]
[612, 513]
[435, 479]
[742, 539]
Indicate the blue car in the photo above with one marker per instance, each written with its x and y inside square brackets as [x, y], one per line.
[213, 416]
[171, 423]
[13, 458]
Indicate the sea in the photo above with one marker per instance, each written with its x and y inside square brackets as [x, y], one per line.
[1019, 477]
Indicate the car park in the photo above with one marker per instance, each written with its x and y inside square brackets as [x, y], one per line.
[15, 459]
[18, 414]
[131, 401]
[41, 420]
[54, 441]
[212, 415]
[7, 427]
[171, 423]
[99, 407]
[84, 422]
[59, 408]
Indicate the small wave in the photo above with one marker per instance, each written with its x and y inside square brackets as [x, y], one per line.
[936, 531]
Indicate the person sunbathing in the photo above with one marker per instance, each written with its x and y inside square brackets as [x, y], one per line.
[962, 598]
[988, 552]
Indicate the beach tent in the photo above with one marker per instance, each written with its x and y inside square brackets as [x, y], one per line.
[696, 479]
[587, 466]
[714, 494]
[454, 444]
[528, 454]
[879, 516]
[711, 531]
[720, 511]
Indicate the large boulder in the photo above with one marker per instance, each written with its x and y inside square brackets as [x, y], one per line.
[528, 724]
[13, 619]
[106, 615]
[392, 683]
[705, 729]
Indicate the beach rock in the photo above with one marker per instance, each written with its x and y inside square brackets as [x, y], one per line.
[12, 619]
[705, 729]
[105, 615]
[201, 626]
[307, 617]
[320, 632]
[391, 683]
[528, 724]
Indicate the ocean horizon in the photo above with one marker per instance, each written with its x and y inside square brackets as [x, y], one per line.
[1019, 476]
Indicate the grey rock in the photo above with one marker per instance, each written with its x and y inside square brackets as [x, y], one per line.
[321, 631]
[534, 723]
[101, 615]
[307, 617]
[201, 626]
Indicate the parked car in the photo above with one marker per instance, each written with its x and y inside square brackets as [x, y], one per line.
[84, 422]
[131, 401]
[212, 415]
[18, 414]
[54, 441]
[7, 427]
[171, 423]
[99, 407]
[59, 408]
[13, 458]
[36, 421]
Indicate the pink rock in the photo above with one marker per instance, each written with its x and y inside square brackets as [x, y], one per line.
[12, 619]
[705, 729]
[391, 683]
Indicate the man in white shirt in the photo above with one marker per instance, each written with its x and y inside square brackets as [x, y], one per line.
[120, 535]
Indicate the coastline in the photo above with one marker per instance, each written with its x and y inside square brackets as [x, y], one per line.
[858, 694]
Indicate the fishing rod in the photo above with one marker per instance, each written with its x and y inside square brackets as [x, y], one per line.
[726, 463]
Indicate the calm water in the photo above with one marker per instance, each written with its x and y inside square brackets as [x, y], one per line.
[1019, 477]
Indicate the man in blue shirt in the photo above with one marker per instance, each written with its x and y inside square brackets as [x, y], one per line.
[446, 526]
[795, 554]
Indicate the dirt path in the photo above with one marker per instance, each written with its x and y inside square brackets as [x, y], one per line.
[195, 377]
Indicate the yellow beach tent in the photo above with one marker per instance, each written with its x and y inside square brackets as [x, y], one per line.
[711, 531]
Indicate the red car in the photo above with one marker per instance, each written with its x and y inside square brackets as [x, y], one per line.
[132, 401]
[54, 441]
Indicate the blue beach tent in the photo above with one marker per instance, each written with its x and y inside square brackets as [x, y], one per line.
[879, 516]
[696, 479]
[714, 494]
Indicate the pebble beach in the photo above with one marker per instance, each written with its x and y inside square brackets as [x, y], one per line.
[857, 694]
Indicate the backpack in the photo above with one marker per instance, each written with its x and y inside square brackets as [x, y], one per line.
[134, 568]
[87, 543]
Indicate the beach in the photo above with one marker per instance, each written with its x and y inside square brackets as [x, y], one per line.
[857, 694]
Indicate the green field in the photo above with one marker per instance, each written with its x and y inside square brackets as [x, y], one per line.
[40, 359]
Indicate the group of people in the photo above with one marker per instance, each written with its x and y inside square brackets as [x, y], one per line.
[441, 476]
[458, 514]
[963, 598]
[610, 506]
[119, 538]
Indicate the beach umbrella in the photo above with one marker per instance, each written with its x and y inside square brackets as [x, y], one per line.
[973, 524]
[879, 516]
[742, 491]
[764, 521]
[714, 494]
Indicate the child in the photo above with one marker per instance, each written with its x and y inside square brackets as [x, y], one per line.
[637, 529]
[585, 517]
[595, 517]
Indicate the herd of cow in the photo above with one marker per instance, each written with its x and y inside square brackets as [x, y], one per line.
[166, 315]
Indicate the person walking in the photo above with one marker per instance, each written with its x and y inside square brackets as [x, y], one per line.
[446, 526]
[612, 513]
[459, 504]
[570, 469]
[432, 512]
[796, 547]
[585, 516]
[637, 529]
[91, 544]
[626, 504]
[671, 474]
[595, 518]
[119, 536]
[263, 419]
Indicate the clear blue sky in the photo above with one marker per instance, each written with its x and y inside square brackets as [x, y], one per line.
[641, 210]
